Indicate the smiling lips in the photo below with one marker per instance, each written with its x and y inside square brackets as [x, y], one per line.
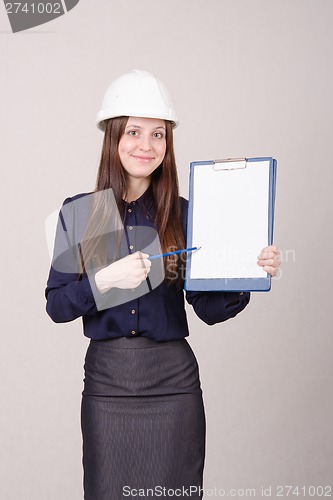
[144, 159]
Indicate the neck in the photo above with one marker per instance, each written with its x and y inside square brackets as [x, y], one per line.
[136, 189]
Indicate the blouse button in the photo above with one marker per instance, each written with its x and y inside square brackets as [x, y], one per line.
[129, 210]
[133, 332]
[241, 293]
[131, 247]
[130, 228]
[133, 311]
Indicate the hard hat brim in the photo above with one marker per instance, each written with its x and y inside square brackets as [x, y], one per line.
[102, 116]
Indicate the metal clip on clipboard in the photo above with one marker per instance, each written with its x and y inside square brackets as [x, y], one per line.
[230, 164]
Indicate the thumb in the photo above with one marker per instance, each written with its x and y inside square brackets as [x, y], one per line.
[143, 255]
[139, 255]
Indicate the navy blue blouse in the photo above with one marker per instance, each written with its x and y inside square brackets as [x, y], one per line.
[159, 314]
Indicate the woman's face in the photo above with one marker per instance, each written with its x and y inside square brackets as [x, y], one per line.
[142, 147]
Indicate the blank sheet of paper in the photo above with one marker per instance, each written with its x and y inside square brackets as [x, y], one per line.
[230, 220]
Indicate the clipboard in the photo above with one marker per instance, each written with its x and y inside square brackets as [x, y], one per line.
[231, 217]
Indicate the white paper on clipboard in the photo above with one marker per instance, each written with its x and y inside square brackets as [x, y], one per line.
[230, 220]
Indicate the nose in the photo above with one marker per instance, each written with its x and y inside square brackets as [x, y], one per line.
[145, 144]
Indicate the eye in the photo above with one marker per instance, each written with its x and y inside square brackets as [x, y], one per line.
[158, 135]
[133, 133]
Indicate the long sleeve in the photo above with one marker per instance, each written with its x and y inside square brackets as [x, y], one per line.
[68, 301]
[215, 307]
[68, 295]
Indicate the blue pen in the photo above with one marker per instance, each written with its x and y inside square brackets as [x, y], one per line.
[152, 257]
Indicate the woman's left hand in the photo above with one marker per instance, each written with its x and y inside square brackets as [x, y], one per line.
[269, 259]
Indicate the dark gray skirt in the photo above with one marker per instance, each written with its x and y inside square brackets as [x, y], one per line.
[143, 421]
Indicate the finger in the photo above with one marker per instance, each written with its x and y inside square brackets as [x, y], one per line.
[266, 262]
[270, 270]
[144, 260]
[146, 265]
[145, 272]
[269, 262]
[271, 248]
[266, 255]
[269, 255]
[141, 255]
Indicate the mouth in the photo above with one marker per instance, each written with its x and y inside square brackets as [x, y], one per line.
[144, 159]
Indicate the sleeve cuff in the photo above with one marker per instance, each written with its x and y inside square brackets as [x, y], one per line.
[87, 285]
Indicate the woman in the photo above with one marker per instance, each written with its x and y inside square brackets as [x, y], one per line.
[143, 421]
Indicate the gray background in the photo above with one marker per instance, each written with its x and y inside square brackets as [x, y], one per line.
[248, 78]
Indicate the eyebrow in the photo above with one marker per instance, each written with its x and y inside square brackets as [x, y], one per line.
[138, 126]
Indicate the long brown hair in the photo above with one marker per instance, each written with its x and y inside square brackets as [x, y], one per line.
[165, 193]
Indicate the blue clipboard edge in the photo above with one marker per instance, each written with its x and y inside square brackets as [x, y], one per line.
[230, 284]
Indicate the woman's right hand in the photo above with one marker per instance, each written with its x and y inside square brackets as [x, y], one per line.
[128, 272]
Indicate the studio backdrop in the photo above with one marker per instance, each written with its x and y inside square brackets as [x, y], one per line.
[248, 78]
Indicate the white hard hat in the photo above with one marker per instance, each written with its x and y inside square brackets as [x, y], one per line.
[137, 93]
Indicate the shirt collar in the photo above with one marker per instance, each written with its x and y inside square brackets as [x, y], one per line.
[145, 201]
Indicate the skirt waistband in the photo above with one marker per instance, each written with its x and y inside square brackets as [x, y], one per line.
[132, 343]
